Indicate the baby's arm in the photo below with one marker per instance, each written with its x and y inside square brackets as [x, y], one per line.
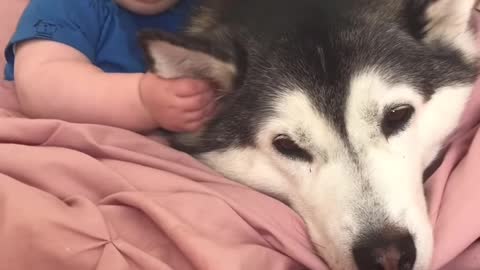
[56, 81]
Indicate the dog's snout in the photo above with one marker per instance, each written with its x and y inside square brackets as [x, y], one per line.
[385, 251]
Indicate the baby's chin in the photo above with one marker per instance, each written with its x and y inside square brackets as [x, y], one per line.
[147, 7]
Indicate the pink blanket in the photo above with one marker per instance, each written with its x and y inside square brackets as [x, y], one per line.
[94, 197]
[454, 196]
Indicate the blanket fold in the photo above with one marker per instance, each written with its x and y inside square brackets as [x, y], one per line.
[76, 196]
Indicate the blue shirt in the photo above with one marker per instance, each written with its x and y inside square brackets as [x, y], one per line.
[100, 29]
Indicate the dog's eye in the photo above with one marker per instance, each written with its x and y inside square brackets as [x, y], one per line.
[286, 146]
[396, 118]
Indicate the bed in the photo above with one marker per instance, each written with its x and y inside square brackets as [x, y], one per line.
[77, 196]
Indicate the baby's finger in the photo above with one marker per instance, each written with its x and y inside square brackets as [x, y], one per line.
[192, 126]
[190, 87]
[200, 115]
[195, 103]
[194, 116]
[211, 110]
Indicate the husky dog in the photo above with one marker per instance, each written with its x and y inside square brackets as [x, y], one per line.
[335, 107]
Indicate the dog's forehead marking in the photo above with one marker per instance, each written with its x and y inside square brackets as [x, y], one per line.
[321, 54]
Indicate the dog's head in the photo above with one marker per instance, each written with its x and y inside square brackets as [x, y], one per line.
[335, 107]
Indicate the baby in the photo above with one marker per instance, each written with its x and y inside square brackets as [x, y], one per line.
[79, 61]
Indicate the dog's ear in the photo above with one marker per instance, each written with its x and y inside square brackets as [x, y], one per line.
[179, 56]
[445, 22]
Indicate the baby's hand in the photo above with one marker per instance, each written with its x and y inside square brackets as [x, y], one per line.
[180, 105]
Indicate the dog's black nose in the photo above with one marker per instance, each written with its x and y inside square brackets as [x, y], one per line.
[385, 251]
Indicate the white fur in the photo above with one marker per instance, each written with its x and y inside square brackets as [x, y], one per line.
[448, 104]
[327, 193]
